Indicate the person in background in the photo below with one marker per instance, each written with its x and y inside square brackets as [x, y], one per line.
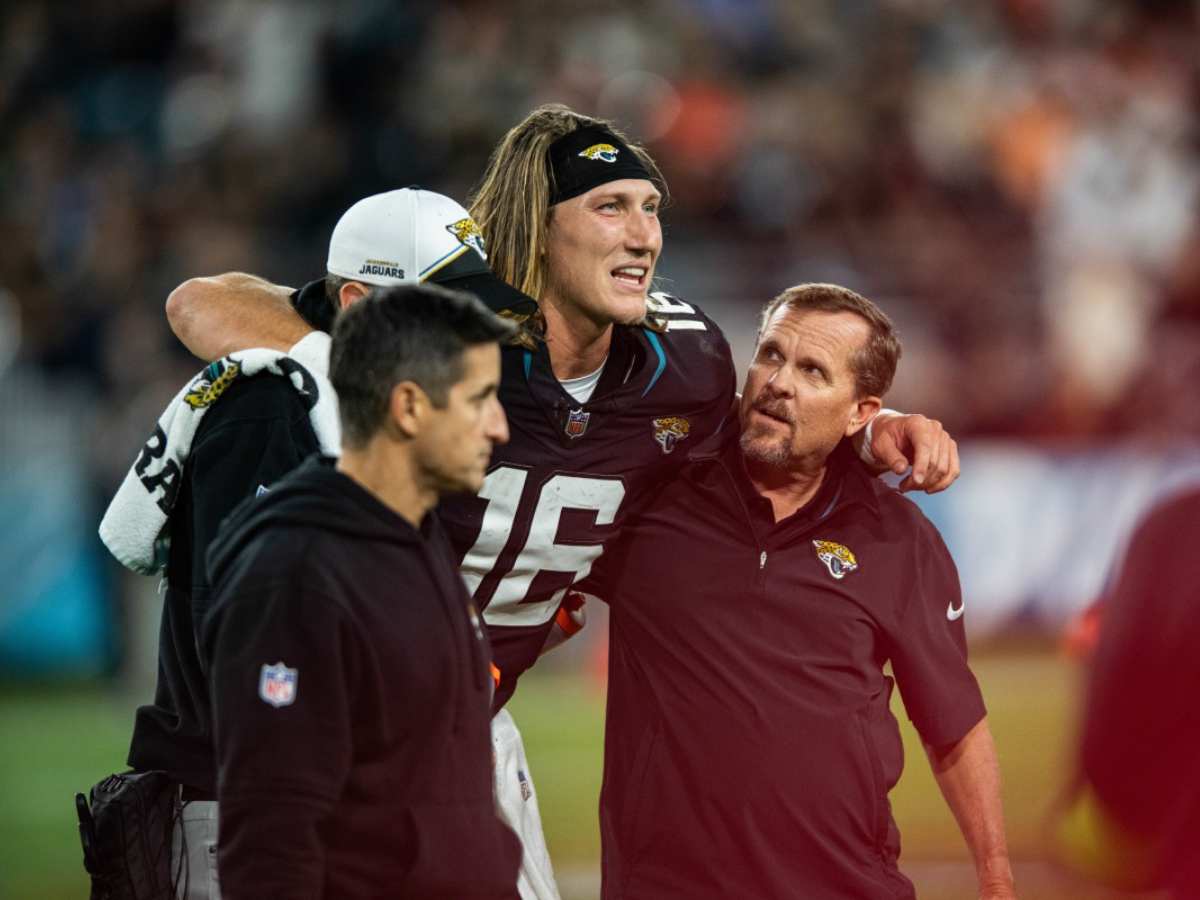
[1134, 811]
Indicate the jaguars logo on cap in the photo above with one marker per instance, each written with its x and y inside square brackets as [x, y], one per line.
[601, 152]
[468, 233]
[670, 430]
[837, 558]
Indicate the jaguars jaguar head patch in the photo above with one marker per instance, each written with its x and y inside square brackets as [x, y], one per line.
[600, 153]
[837, 558]
[670, 430]
[467, 232]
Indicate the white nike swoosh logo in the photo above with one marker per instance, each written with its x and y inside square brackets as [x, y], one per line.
[952, 614]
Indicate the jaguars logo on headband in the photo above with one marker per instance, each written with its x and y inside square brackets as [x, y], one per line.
[837, 558]
[601, 152]
[468, 233]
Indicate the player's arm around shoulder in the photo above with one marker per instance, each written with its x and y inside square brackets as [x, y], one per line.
[913, 444]
[214, 316]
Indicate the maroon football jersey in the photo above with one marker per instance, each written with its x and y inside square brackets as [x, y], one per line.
[571, 473]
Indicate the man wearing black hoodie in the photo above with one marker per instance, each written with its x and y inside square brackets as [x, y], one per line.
[348, 667]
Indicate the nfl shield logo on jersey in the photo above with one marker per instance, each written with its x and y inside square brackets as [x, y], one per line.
[277, 684]
[577, 421]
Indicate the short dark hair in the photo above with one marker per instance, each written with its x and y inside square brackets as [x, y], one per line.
[333, 290]
[874, 364]
[411, 333]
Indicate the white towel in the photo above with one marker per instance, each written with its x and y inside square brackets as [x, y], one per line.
[134, 526]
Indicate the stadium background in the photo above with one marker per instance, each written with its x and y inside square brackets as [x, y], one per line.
[1016, 182]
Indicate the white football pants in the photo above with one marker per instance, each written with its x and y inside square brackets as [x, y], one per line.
[516, 802]
[194, 852]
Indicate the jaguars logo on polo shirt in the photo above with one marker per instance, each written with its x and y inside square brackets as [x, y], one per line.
[837, 558]
[601, 153]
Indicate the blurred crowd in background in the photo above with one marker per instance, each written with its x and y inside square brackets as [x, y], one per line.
[1015, 181]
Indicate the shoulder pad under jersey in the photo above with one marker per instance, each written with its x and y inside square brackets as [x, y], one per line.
[666, 312]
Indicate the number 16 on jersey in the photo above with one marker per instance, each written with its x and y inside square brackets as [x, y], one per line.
[510, 603]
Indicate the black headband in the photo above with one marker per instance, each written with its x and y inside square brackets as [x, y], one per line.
[588, 157]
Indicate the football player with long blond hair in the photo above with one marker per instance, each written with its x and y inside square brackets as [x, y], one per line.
[618, 384]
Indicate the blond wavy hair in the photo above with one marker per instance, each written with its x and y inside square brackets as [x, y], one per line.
[511, 206]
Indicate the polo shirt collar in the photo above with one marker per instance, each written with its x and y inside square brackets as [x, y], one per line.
[847, 482]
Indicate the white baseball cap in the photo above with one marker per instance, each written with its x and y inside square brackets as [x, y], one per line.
[411, 235]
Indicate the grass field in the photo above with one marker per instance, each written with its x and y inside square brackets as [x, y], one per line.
[55, 741]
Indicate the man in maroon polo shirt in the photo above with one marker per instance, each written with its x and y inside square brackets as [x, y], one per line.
[749, 747]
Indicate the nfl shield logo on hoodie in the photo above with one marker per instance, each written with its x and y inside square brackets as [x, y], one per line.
[577, 421]
[277, 684]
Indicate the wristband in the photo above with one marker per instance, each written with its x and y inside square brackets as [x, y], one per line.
[864, 452]
[567, 622]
